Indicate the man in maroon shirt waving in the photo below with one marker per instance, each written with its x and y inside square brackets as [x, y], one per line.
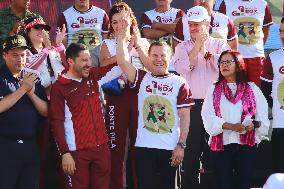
[77, 121]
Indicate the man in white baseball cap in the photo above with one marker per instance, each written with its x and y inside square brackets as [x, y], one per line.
[198, 14]
[196, 60]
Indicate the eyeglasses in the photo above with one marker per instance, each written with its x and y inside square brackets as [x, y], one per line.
[226, 62]
[281, 31]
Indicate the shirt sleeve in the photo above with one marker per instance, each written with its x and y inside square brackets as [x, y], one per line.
[106, 24]
[138, 79]
[184, 98]
[145, 21]
[222, 8]
[267, 21]
[261, 112]
[178, 35]
[212, 123]
[267, 71]
[57, 118]
[181, 59]
[61, 21]
[232, 31]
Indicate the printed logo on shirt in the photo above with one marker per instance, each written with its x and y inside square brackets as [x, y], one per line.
[281, 70]
[245, 11]
[249, 30]
[159, 88]
[164, 20]
[280, 94]
[88, 37]
[158, 115]
[84, 21]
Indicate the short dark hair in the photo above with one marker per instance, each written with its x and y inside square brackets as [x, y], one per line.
[282, 20]
[241, 72]
[74, 49]
[160, 44]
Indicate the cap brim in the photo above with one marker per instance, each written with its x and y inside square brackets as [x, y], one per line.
[196, 19]
[46, 27]
[7, 49]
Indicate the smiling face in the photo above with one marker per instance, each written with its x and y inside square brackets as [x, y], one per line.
[81, 65]
[195, 28]
[159, 59]
[36, 35]
[228, 67]
[15, 59]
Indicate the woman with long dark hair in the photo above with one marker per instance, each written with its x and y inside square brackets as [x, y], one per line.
[121, 102]
[47, 60]
[235, 116]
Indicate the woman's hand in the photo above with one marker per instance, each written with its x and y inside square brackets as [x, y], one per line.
[250, 127]
[46, 39]
[123, 25]
[60, 34]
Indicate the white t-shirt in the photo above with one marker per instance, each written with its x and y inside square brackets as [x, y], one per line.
[167, 17]
[249, 16]
[85, 27]
[273, 71]
[159, 99]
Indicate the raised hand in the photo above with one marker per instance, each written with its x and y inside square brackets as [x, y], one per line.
[60, 34]
[200, 40]
[124, 23]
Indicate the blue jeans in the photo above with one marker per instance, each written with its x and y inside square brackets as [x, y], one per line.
[234, 167]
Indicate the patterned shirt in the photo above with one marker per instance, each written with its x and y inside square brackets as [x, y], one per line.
[7, 21]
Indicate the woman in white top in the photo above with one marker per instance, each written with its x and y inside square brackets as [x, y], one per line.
[235, 116]
[121, 104]
[46, 60]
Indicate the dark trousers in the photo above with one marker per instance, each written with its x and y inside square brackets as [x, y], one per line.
[196, 144]
[120, 117]
[19, 164]
[277, 141]
[234, 167]
[153, 164]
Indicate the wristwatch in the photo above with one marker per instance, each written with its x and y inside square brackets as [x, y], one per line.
[256, 124]
[182, 145]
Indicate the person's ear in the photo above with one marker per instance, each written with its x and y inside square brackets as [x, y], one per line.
[70, 62]
[4, 55]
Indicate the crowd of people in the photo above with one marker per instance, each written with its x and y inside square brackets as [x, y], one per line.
[192, 89]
